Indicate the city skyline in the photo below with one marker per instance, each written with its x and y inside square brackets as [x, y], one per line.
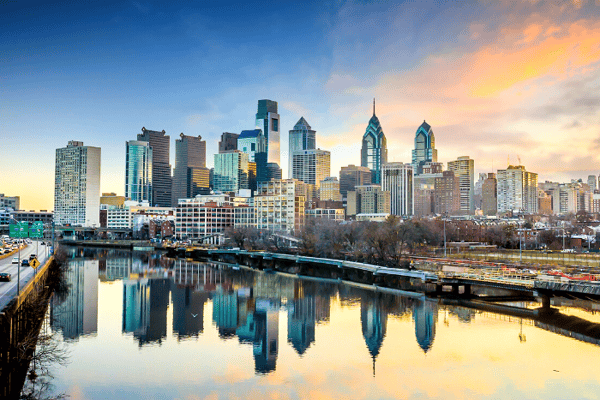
[509, 77]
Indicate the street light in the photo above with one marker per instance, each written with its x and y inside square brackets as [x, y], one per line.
[444, 218]
[19, 264]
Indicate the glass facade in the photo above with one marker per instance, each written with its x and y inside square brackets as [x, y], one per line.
[138, 171]
[424, 150]
[231, 171]
[374, 148]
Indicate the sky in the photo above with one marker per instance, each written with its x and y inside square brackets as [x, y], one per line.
[499, 81]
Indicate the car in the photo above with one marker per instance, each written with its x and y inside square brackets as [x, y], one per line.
[15, 260]
[24, 262]
[5, 276]
[32, 256]
[43, 244]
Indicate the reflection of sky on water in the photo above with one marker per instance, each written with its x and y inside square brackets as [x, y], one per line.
[208, 332]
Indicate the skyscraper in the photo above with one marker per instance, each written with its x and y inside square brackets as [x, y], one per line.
[397, 178]
[161, 168]
[138, 171]
[228, 142]
[254, 143]
[425, 150]
[517, 190]
[489, 195]
[352, 176]
[374, 148]
[267, 119]
[77, 185]
[464, 169]
[302, 137]
[190, 175]
[231, 171]
[311, 166]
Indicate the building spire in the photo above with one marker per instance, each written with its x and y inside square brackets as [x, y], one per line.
[373, 106]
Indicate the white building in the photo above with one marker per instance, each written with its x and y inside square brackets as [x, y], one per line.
[517, 190]
[397, 178]
[77, 185]
[279, 205]
[464, 169]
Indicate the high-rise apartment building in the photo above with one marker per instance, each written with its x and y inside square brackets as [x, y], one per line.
[368, 199]
[397, 178]
[228, 142]
[329, 189]
[464, 169]
[231, 171]
[447, 194]
[592, 182]
[352, 176]
[311, 166]
[374, 148]
[424, 190]
[302, 137]
[161, 167]
[517, 190]
[279, 205]
[9, 202]
[138, 171]
[489, 195]
[77, 185]
[424, 150]
[267, 120]
[190, 175]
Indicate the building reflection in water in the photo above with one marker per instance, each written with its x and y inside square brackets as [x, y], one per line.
[188, 311]
[77, 313]
[373, 318]
[145, 303]
[425, 314]
[305, 311]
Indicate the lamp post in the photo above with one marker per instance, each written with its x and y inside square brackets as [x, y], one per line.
[19, 263]
[445, 255]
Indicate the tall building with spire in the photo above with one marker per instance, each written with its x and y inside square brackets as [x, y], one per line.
[302, 137]
[374, 148]
[425, 150]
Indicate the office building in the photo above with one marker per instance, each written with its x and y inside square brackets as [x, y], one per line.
[446, 194]
[424, 190]
[329, 189]
[280, 205]
[333, 214]
[424, 150]
[545, 203]
[374, 148]
[489, 195]
[311, 166]
[352, 176]
[13, 202]
[231, 171]
[267, 120]
[254, 143]
[464, 169]
[138, 171]
[302, 137]
[592, 182]
[77, 185]
[397, 178]
[161, 167]
[368, 199]
[190, 175]
[517, 190]
[228, 142]
[112, 200]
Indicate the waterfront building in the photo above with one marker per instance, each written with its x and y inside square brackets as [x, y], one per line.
[329, 189]
[280, 205]
[489, 195]
[161, 167]
[268, 121]
[311, 166]
[517, 190]
[231, 171]
[228, 142]
[204, 216]
[13, 202]
[138, 171]
[368, 199]
[446, 194]
[333, 214]
[302, 137]
[374, 148]
[352, 176]
[464, 169]
[397, 178]
[424, 150]
[77, 185]
[190, 175]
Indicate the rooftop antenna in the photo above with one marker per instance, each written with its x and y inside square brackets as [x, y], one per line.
[373, 105]
[519, 158]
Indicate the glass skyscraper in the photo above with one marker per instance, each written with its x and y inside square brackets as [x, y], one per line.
[425, 150]
[302, 137]
[267, 120]
[374, 148]
[231, 171]
[138, 171]
[190, 175]
[161, 168]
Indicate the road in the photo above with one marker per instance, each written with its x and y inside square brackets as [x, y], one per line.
[8, 290]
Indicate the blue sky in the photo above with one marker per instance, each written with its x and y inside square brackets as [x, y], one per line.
[495, 79]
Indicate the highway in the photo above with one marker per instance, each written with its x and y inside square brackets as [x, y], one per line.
[8, 290]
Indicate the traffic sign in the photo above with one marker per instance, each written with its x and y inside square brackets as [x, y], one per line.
[19, 230]
[34, 263]
[36, 230]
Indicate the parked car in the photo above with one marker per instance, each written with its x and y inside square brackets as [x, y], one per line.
[24, 262]
[5, 276]
[15, 260]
